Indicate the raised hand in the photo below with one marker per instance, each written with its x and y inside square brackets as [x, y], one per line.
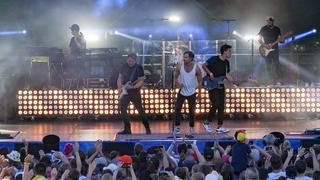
[28, 158]
[76, 147]
[41, 153]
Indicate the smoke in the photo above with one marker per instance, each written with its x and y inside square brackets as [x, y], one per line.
[48, 22]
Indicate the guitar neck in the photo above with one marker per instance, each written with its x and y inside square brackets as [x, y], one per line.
[281, 38]
[277, 41]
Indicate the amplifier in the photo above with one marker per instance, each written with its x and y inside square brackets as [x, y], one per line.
[97, 82]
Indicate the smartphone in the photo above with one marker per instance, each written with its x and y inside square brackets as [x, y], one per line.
[268, 148]
[126, 165]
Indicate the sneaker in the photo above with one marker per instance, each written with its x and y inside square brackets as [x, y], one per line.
[191, 130]
[222, 130]
[207, 127]
[125, 131]
[176, 130]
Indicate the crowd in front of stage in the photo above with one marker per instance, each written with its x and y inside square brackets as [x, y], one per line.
[180, 161]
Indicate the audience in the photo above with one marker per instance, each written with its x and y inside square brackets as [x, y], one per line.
[181, 161]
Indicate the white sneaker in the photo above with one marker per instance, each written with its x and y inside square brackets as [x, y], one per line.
[176, 130]
[222, 130]
[207, 127]
[191, 131]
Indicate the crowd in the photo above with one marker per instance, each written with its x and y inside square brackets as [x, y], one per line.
[180, 161]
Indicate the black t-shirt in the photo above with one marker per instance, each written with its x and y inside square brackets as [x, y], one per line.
[218, 67]
[131, 73]
[270, 34]
[240, 159]
[74, 49]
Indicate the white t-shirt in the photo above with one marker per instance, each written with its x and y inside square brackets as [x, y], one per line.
[303, 178]
[275, 176]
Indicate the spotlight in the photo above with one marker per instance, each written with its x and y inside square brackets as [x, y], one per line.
[174, 18]
[92, 37]
[234, 32]
[116, 32]
[251, 37]
[150, 36]
[190, 35]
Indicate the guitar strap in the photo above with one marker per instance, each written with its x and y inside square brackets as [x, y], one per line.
[133, 73]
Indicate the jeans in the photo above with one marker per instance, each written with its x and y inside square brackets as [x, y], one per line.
[217, 98]
[192, 104]
[273, 66]
[135, 97]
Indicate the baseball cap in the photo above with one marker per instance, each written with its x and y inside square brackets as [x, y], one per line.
[269, 18]
[125, 159]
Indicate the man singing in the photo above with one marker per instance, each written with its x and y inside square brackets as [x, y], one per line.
[187, 79]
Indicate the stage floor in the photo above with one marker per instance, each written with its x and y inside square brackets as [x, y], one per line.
[73, 130]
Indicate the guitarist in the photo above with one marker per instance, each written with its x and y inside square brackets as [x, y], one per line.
[215, 67]
[131, 72]
[269, 34]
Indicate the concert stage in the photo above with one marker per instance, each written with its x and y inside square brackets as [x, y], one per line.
[87, 132]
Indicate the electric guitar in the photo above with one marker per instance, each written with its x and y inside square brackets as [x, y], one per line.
[215, 83]
[264, 51]
[218, 82]
[124, 89]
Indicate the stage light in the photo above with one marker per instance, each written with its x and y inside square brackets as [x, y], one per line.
[174, 18]
[150, 36]
[190, 36]
[9, 33]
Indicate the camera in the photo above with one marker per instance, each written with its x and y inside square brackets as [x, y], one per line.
[126, 165]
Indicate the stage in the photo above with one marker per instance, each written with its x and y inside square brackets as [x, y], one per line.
[87, 132]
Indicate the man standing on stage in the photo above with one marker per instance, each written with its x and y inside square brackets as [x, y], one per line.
[130, 80]
[77, 48]
[77, 43]
[215, 67]
[187, 79]
[269, 34]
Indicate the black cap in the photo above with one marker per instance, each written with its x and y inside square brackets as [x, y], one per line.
[75, 27]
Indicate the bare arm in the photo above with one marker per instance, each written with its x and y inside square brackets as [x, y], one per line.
[92, 166]
[199, 155]
[230, 78]
[115, 174]
[176, 77]
[199, 77]
[206, 69]
[262, 151]
[260, 40]
[138, 84]
[164, 158]
[76, 153]
[286, 162]
[133, 175]
[217, 146]
[314, 160]
[119, 81]
[98, 151]
[80, 41]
